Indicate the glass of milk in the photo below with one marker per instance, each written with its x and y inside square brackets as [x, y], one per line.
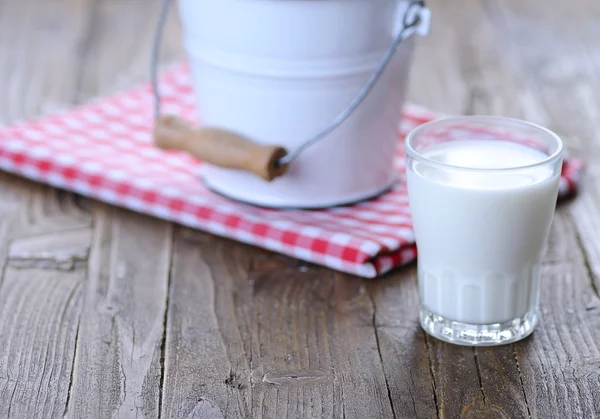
[482, 193]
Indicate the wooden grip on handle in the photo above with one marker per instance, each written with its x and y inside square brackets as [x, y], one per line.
[219, 147]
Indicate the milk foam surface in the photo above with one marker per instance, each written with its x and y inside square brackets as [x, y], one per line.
[481, 235]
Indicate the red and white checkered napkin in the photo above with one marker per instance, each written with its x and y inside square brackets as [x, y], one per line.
[103, 150]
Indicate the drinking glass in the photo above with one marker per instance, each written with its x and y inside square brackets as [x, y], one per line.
[482, 194]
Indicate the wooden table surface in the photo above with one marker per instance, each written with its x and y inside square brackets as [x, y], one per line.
[106, 313]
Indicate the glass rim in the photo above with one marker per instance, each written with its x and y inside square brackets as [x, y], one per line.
[498, 120]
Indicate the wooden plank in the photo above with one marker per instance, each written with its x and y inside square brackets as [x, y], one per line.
[560, 364]
[43, 250]
[40, 44]
[476, 382]
[72, 34]
[49, 77]
[315, 350]
[39, 305]
[39, 311]
[15, 200]
[417, 364]
[584, 212]
[403, 345]
[119, 353]
[292, 342]
[434, 67]
[118, 367]
[564, 70]
[39, 297]
[116, 54]
[283, 338]
[558, 57]
[499, 68]
[208, 365]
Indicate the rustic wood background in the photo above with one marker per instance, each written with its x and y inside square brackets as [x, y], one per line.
[106, 313]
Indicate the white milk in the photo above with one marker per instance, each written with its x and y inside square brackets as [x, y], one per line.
[481, 235]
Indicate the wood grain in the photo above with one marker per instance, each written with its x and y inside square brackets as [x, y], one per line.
[561, 61]
[117, 367]
[38, 324]
[315, 350]
[278, 342]
[116, 50]
[40, 301]
[208, 369]
[106, 313]
[403, 345]
[560, 365]
[39, 59]
[506, 381]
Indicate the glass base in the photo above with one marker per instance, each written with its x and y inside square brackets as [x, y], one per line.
[467, 334]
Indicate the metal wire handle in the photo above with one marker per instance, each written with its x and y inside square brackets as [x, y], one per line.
[411, 19]
[160, 26]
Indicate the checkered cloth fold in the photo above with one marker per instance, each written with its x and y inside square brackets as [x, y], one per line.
[103, 150]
